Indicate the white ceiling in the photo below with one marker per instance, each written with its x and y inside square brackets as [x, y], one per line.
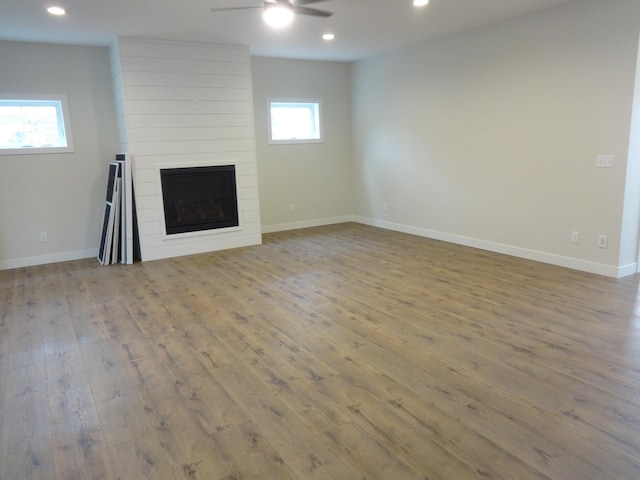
[363, 28]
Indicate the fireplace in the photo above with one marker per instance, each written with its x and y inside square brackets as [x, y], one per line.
[198, 199]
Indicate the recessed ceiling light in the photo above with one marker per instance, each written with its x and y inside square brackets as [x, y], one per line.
[279, 15]
[328, 36]
[420, 3]
[56, 10]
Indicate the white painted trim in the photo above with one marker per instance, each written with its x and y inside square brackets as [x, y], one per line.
[319, 222]
[543, 257]
[567, 262]
[66, 122]
[320, 138]
[45, 259]
[627, 270]
[195, 248]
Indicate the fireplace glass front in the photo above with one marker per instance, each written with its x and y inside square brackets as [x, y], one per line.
[199, 198]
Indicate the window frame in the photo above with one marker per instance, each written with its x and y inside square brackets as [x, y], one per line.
[62, 107]
[294, 141]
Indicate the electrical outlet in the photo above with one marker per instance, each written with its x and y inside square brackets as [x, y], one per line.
[385, 206]
[292, 208]
[604, 161]
[44, 237]
[575, 237]
[603, 241]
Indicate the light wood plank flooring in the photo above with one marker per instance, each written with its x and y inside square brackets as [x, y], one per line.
[342, 352]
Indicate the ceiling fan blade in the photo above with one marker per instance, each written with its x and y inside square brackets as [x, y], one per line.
[311, 11]
[300, 3]
[226, 9]
[293, 3]
[295, 7]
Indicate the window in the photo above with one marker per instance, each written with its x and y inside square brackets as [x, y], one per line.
[295, 121]
[34, 124]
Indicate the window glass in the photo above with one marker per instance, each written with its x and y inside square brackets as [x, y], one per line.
[295, 121]
[34, 124]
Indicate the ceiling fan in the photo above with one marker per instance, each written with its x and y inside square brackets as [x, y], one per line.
[293, 6]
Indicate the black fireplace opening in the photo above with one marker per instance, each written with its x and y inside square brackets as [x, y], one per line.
[199, 198]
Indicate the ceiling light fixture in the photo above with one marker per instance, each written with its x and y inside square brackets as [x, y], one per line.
[328, 36]
[279, 15]
[420, 3]
[56, 10]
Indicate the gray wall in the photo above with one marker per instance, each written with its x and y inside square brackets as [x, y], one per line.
[489, 137]
[61, 194]
[486, 138]
[317, 178]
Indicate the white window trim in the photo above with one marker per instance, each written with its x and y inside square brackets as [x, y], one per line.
[65, 118]
[271, 141]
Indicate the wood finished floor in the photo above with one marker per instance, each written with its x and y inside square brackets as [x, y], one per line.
[341, 352]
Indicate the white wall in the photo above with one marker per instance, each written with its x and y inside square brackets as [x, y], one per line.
[630, 231]
[489, 137]
[317, 178]
[186, 104]
[61, 194]
[486, 138]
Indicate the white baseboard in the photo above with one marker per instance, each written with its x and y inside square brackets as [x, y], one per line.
[51, 258]
[306, 224]
[543, 257]
[627, 270]
[568, 262]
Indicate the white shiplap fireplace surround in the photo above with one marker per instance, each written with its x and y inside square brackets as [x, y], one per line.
[185, 105]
